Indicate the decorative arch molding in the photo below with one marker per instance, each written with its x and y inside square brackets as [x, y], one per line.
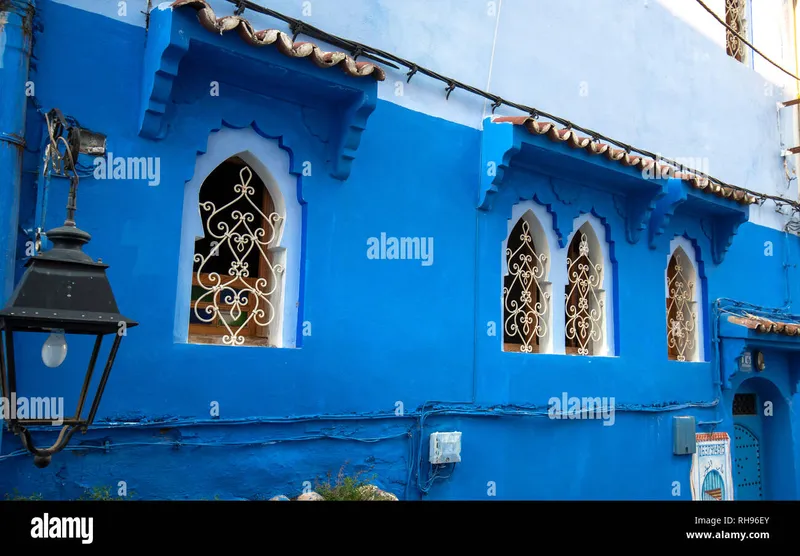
[564, 201]
[271, 131]
[573, 178]
[719, 217]
[692, 231]
[271, 162]
[689, 241]
[177, 44]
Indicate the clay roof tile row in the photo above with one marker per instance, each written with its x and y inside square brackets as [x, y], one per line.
[573, 140]
[282, 41]
[711, 436]
[767, 326]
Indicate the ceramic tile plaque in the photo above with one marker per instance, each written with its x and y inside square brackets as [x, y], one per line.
[711, 467]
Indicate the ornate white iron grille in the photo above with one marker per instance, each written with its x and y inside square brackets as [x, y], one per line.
[681, 317]
[236, 285]
[525, 303]
[735, 18]
[584, 299]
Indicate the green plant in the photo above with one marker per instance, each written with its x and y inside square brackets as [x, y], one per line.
[16, 496]
[100, 493]
[347, 487]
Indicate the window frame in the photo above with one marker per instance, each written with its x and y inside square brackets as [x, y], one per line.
[271, 163]
[532, 214]
[556, 276]
[743, 27]
[698, 296]
[596, 239]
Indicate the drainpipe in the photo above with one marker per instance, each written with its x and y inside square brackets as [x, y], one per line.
[16, 38]
[16, 32]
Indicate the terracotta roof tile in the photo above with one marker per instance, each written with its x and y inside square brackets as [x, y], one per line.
[575, 141]
[767, 326]
[282, 41]
[711, 437]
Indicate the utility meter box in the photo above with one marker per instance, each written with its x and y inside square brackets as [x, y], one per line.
[683, 436]
[445, 447]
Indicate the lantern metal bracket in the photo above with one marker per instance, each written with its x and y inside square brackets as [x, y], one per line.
[63, 289]
[65, 134]
[42, 456]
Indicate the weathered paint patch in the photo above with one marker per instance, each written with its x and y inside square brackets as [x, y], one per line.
[3, 37]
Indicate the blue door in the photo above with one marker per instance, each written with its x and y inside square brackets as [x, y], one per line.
[748, 464]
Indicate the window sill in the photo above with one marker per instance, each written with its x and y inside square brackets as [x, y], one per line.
[216, 341]
[212, 339]
[552, 354]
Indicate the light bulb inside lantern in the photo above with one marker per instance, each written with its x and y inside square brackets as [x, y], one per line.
[54, 350]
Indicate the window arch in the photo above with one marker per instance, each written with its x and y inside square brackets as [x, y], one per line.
[238, 273]
[585, 329]
[684, 341]
[243, 199]
[527, 311]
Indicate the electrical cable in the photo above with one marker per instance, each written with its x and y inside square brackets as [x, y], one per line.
[414, 459]
[108, 446]
[741, 38]
[380, 56]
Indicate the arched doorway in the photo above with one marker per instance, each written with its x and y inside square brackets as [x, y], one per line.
[762, 445]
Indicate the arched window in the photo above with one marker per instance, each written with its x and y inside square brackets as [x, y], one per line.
[526, 292]
[683, 340]
[585, 310]
[238, 272]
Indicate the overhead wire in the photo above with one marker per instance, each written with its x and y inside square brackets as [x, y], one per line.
[358, 49]
[745, 41]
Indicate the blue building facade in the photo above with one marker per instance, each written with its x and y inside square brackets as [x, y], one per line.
[555, 299]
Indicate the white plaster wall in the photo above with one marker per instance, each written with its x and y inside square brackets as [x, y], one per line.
[652, 73]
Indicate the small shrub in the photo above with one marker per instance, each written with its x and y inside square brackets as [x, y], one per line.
[346, 488]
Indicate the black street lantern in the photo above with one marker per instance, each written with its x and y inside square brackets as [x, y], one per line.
[63, 291]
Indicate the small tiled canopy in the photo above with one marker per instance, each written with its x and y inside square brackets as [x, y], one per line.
[575, 141]
[282, 41]
[766, 326]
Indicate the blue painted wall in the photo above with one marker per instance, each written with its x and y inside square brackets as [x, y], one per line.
[383, 331]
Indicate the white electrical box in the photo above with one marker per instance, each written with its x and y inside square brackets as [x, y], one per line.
[445, 447]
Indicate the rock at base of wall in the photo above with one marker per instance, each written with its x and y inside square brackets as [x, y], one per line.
[374, 493]
[280, 498]
[310, 496]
